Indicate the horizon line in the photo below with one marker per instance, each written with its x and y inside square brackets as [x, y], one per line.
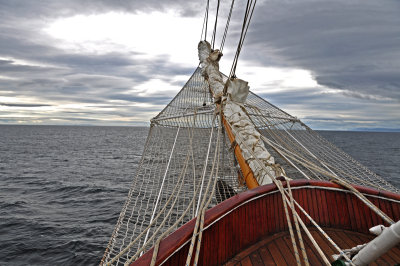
[383, 130]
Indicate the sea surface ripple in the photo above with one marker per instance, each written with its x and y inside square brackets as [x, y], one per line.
[62, 187]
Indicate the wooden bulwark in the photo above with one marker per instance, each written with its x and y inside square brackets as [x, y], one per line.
[254, 215]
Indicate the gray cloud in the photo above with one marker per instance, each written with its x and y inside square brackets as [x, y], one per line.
[352, 46]
[23, 105]
[66, 8]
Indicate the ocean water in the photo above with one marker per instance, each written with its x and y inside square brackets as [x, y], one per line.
[378, 151]
[62, 187]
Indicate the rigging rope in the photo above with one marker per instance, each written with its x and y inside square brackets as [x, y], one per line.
[246, 22]
[310, 165]
[124, 208]
[292, 237]
[290, 202]
[226, 27]
[173, 194]
[205, 22]
[206, 206]
[215, 26]
[336, 179]
[296, 222]
[364, 199]
[156, 247]
[183, 172]
[205, 168]
[162, 183]
[203, 206]
[315, 224]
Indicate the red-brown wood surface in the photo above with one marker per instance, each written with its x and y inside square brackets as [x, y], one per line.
[277, 249]
[246, 218]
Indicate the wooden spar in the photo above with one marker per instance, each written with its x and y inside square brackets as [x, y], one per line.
[249, 178]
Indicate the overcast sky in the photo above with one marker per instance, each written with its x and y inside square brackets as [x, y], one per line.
[333, 64]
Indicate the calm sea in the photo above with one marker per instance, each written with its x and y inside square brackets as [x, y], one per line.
[62, 187]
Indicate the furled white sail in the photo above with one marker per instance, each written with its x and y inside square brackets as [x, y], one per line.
[246, 135]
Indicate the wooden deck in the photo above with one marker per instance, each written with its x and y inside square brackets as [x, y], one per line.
[258, 215]
[278, 250]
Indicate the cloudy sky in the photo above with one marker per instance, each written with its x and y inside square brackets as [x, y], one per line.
[333, 64]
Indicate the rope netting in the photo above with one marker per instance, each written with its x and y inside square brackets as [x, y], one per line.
[306, 148]
[178, 159]
[174, 171]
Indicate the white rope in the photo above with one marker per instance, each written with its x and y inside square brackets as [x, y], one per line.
[318, 227]
[296, 222]
[296, 252]
[309, 165]
[173, 194]
[170, 228]
[336, 179]
[210, 197]
[202, 207]
[205, 167]
[193, 163]
[356, 192]
[315, 244]
[310, 152]
[155, 251]
[301, 222]
[274, 118]
[320, 252]
[287, 159]
[162, 183]
[124, 208]
[364, 199]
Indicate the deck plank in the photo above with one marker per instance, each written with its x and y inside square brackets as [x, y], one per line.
[287, 250]
[277, 249]
[266, 256]
[276, 254]
[246, 261]
[324, 244]
[256, 259]
[313, 256]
